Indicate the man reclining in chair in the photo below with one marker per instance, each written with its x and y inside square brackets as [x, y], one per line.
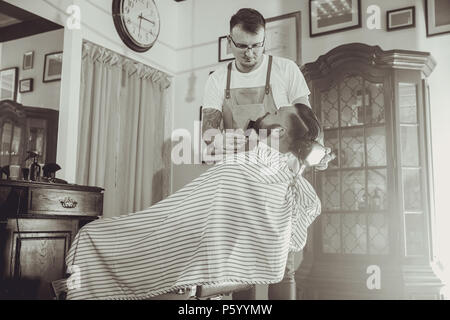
[235, 223]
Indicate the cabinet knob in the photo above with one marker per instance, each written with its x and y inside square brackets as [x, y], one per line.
[68, 203]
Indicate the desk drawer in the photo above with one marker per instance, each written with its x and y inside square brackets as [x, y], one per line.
[64, 202]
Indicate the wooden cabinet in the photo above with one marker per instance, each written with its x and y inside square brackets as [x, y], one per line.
[40, 221]
[25, 129]
[373, 238]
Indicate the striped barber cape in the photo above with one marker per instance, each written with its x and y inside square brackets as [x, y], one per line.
[235, 223]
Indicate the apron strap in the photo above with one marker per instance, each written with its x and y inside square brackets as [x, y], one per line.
[227, 90]
[269, 69]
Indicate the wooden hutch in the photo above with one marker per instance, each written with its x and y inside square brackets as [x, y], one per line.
[373, 237]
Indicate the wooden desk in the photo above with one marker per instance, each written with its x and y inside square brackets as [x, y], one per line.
[38, 222]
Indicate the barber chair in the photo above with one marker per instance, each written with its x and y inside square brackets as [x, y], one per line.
[203, 292]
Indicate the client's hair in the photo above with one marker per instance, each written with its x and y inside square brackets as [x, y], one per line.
[305, 128]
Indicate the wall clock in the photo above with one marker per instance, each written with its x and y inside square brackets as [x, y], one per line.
[137, 23]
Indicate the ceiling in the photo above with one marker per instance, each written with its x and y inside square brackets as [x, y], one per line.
[16, 23]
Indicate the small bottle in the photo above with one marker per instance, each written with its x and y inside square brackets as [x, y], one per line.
[376, 199]
[361, 202]
[35, 168]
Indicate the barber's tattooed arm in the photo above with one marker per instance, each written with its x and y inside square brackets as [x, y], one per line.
[211, 119]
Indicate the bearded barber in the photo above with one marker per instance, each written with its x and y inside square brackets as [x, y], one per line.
[246, 89]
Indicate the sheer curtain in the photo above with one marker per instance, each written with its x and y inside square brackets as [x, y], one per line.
[123, 110]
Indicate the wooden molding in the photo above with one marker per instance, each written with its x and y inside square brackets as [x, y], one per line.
[31, 24]
[373, 55]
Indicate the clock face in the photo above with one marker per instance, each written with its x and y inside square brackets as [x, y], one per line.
[137, 22]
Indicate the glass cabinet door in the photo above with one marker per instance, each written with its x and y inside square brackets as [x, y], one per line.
[11, 144]
[23, 129]
[37, 137]
[411, 170]
[353, 189]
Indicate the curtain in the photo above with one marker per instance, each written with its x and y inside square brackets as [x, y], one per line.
[121, 146]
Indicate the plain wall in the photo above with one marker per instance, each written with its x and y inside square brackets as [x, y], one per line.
[45, 95]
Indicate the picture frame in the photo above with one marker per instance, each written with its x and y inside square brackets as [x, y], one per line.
[225, 53]
[26, 85]
[52, 67]
[437, 17]
[28, 60]
[280, 40]
[325, 19]
[8, 83]
[402, 18]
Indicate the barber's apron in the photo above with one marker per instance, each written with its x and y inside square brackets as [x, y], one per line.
[244, 104]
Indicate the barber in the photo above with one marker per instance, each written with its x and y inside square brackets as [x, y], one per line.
[246, 89]
[254, 83]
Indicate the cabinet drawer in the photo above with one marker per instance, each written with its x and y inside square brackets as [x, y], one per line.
[65, 202]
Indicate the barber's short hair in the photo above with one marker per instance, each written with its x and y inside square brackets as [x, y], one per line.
[304, 130]
[248, 19]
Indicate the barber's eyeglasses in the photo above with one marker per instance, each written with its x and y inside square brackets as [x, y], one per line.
[249, 47]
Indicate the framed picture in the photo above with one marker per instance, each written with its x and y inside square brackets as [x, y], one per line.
[26, 85]
[280, 40]
[53, 67]
[401, 18]
[225, 53]
[328, 16]
[28, 59]
[437, 16]
[8, 84]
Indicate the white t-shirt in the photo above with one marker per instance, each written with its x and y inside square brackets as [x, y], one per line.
[286, 80]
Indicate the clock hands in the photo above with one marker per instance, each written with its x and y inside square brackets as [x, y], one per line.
[142, 18]
[140, 22]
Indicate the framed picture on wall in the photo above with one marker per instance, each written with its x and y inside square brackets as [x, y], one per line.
[26, 85]
[328, 16]
[52, 67]
[225, 53]
[401, 19]
[281, 40]
[28, 59]
[437, 16]
[8, 84]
